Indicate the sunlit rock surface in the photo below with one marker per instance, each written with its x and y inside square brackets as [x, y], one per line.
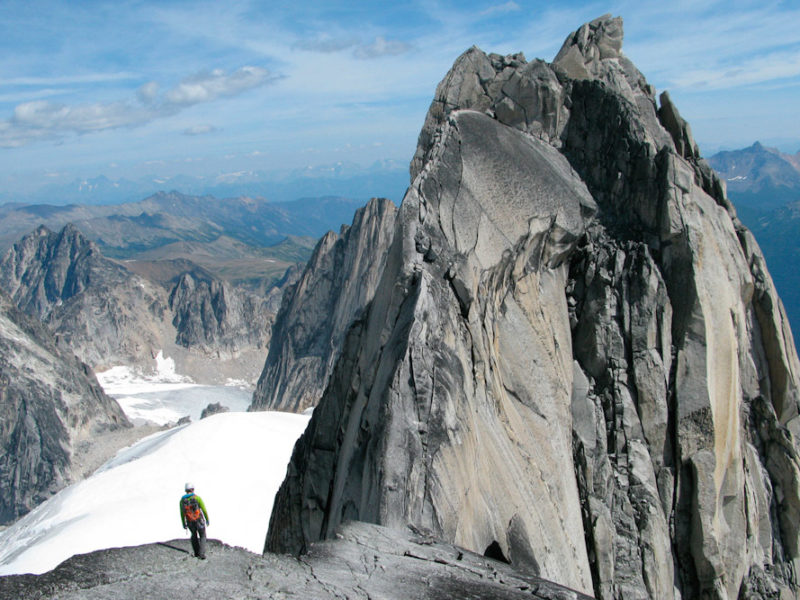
[575, 353]
[337, 283]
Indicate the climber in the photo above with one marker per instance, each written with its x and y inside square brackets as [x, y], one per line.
[195, 518]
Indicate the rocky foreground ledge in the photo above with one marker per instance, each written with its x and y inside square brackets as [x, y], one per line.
[364, 561]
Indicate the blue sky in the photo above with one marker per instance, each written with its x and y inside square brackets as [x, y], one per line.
[132, 88]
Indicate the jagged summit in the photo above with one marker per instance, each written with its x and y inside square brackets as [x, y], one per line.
[584, 50]
[575, 353]
[108, 315]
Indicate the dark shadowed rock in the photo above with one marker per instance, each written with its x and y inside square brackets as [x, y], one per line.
[213, 409]
[364, 561]
[50, 405]
[592, 374]
[338, 282]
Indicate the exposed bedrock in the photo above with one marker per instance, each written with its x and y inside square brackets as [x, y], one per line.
[309, 330]
[51, 409]
[107, 315]
[575, 353]
[364, 561]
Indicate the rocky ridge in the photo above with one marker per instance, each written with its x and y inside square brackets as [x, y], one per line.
[316, 312]
[93, 305]
[124, 230]
[213, 316]
[108, 315]
[364, 561]
[51, 408]
[764, 183]
[575, 353]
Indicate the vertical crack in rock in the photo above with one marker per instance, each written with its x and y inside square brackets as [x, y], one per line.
[613, 382]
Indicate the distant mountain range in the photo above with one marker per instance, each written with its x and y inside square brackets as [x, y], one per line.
[123, 230]
[764, 185]
[759, 178]
[383, 178]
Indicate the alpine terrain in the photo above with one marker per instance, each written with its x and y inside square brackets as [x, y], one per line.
[316, 312]
[575, 355]
[52, 411]
[108, 315]
[765, 185]
[565, 353]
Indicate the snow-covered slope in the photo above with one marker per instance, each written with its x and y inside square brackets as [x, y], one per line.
[166, 397]
[236, 461]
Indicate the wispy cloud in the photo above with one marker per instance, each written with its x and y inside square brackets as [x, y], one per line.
[325, 44]
[376, 48]
[508, 7]
[28, 95]
[68, 79]
[381, 47]
[770, 67]
[42, 119]
[200, 130]
[207, 87]
[707, 46]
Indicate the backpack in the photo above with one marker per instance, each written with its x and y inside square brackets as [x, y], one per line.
[191, 509]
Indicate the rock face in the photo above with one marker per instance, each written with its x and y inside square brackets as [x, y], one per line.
[93, 305]
[764, 183]
[214, 316]
[365, 561]
[108, 315]
[575, 354]
[338, 282]
[50, 404]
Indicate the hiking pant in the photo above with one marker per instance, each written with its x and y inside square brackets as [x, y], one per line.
[198, 529]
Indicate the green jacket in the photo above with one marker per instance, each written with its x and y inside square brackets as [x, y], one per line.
[199, 503]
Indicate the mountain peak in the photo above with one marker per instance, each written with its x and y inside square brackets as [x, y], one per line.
[567, 286]
[593, 42]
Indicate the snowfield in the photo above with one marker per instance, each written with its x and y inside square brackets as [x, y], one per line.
[236, 461]
[165, 396]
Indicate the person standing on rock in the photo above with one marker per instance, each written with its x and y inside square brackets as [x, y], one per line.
[195, 518]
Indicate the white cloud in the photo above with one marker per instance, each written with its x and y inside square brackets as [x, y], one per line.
[41, 119]
[381, 47]
[28, 95]
[68, 79]
[377, 48]
[325, 44]
[206, 87]
[148, 92]
[771, 67]
[709, 47]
